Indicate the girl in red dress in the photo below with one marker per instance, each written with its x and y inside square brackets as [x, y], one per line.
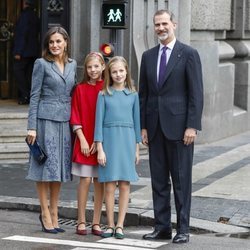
[84, 153]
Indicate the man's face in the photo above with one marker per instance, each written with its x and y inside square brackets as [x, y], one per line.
[164, 28]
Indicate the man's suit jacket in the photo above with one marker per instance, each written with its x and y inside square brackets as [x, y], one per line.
[178, 103]
[50, 93]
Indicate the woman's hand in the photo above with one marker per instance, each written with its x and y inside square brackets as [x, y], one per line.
[31, 136]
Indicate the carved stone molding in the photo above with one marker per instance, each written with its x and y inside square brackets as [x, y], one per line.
[55, 6]
[6, 30]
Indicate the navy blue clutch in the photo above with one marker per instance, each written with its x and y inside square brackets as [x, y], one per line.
[37, 152]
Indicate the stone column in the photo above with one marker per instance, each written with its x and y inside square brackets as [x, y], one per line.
[182, 11]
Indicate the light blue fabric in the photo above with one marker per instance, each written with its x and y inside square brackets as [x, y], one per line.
[118, 127]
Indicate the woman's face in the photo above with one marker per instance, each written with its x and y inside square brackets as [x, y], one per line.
[118, 73]
[57, 45]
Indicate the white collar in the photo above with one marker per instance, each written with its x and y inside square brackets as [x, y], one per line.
[169, 45]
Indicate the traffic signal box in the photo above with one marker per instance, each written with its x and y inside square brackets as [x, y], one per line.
[107, 50]
[114, 14]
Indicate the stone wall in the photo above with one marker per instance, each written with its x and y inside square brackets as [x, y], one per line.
[218, 29]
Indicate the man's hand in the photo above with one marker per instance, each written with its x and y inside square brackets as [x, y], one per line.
[144, 137]
[189, 136]
[17, 57]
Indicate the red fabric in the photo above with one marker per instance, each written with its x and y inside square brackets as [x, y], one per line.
[83, 109]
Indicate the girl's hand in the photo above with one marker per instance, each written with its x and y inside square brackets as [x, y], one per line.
[137, 154]
[101, 158]
[84, 147]
[93, 148]
[31, 136]
[144, 136]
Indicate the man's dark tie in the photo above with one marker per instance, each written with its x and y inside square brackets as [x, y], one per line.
[163, 66]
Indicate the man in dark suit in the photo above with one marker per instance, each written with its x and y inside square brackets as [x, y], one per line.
[26, 49]
[171, 103]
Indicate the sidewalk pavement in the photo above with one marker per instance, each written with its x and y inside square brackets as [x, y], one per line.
[220, 197]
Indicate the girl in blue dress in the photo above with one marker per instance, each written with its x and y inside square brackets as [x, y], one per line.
[117, 133]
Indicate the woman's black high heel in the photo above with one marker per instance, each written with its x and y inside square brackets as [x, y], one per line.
[52, 231]
[59, 230]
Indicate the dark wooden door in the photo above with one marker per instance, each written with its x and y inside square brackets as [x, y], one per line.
[9, 13]
[9, 10]
[54, 13]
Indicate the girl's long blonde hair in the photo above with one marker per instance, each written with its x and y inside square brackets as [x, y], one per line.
[108, 81]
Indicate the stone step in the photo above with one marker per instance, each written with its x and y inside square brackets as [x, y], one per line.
[15, 120]
[13, 115]
[13, 139]
[6, 148]
[12, 156]
[12, 130]
[14, 161]
[14, 151]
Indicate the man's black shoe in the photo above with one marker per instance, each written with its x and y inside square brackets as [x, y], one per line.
[181, 238]
[158, 235]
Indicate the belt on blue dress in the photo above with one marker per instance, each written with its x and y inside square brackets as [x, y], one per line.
[118, 124]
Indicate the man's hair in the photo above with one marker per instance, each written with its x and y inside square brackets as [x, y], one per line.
[30, 3]
[170, 13]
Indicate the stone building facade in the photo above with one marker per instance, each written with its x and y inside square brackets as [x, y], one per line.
[218, 29]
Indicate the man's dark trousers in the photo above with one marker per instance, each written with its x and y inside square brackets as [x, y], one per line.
[23, 72]
[170, 158]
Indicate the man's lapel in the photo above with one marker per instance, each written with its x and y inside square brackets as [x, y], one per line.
[153, 67]
[174, 59]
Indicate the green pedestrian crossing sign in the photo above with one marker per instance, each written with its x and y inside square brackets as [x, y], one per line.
[114, 15]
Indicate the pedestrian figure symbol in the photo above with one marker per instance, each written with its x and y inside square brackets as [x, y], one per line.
[111, 15]
[118, 15]
[114, 16]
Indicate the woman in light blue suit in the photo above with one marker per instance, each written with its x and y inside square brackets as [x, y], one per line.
[53, 78]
